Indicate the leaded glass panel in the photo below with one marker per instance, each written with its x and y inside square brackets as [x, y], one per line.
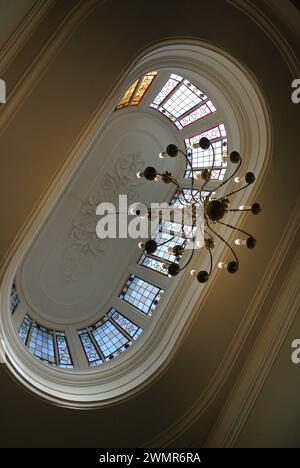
[141, 294]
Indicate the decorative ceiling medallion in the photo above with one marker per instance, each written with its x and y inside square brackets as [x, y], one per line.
[83, 244]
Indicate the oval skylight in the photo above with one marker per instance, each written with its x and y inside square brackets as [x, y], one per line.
[98, 310]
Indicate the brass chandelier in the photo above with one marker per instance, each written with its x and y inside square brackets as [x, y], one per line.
[214, 210]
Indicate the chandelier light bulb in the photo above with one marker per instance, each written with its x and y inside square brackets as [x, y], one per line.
[215, 207]
[240, 242]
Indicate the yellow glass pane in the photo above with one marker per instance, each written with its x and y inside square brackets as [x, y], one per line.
[127, 95]
[142, 88]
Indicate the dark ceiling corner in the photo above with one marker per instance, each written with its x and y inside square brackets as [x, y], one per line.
[296, 3]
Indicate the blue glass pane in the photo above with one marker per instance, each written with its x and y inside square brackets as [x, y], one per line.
[14, 302]
[202, 159]
[149, 261]
[64, 357]
[41, 344]
[182, 102]
[129, 327]
[24, 329]
[89, 348]
[109, 339]
[141, 294]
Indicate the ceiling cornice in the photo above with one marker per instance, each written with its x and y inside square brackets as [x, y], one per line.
[264, 353]
[24, 31]
[256, 14]
[30, 78]
[279, 321]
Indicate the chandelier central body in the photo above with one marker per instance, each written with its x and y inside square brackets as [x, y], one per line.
[215, 209]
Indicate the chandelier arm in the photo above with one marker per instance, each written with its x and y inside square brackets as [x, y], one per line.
[235, 191]
[229, 178]
[208, 233]
[210, 169]
[191, 256]
[165, 242]
[175, 182]
[225, 242]
[238, 209]
[192, 171]
[211, 262]
[235, 228]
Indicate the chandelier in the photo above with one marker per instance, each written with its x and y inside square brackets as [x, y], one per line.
[215, 209]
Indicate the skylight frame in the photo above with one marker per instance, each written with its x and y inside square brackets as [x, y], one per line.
[192, 93]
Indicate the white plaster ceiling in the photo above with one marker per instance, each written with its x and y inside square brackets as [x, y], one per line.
[69, 274]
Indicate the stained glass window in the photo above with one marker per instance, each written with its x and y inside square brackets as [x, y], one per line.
[185, 198]
[91, 353]
[47, 345]
[150, 261]
[129, 327]
[24, 329]
[136, 91]
[166, 90]
[124, 102]
[109, 337]
[196, 114]
[201, 159]
[14, 298]
[144, 84]
[173, 233]
[14, 302]
[64, 357]
[141, 294]
[182, 102]
[41, 344]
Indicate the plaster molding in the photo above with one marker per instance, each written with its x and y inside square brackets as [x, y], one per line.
[239, 340]
[2, 352]
[30, 78]
[83, 244]
[130, 374]
[259, 364]
[287, 12]
[253, 11]
[26, 28]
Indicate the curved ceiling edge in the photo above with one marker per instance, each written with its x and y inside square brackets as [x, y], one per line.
[256, 14]
[26, 84]
[129, 375]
